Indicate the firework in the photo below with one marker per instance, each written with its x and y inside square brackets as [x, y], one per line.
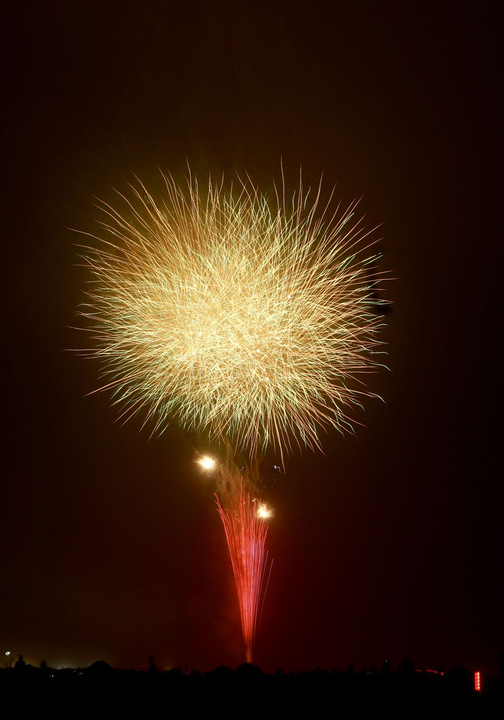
[233, 313]
[246, 317]
[244, 518]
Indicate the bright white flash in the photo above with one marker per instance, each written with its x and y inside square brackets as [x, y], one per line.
[263, 511]
[207, 462]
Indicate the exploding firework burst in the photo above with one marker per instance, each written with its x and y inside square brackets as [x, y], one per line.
[232, 313]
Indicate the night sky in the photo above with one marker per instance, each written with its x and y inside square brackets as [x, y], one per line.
[390, 544]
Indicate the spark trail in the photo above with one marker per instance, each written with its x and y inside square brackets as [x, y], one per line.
[245, 520]
[246, 530]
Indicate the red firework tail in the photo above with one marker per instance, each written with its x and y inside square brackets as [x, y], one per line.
[246, 538]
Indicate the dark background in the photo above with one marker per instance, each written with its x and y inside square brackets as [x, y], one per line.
[389, 545]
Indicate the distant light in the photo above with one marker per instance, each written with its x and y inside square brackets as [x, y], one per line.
[8, 652]
[477, 681]
[207, 462]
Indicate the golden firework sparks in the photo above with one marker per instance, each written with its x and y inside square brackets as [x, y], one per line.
[230, 312]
